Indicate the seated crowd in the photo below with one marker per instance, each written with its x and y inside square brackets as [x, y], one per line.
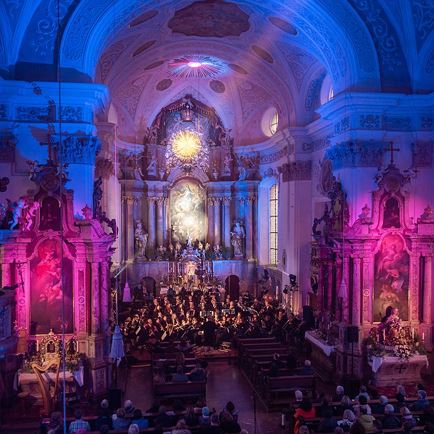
[364, 414]
[177, 419]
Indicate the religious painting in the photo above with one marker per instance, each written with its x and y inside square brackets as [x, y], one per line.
[391, 214]
[50, 214]
[392, 265]
[51, 290]
[187, 211]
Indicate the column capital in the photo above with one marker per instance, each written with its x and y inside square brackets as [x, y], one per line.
[128, 199]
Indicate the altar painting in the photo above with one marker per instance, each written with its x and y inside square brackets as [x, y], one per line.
[392, 264]
[187, 211]
[51, 281]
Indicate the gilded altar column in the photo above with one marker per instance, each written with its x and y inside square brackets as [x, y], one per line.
[151, 223]
[249, 227]
[160, 221]
[227, 221]
[210, 237]
[217, 221]
[356, 292]
[413, 314]
[129, 223]
[95, 299]
[427, 290]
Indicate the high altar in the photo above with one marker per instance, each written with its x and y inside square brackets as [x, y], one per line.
[383, 259]
[186, 185]
[57, 265]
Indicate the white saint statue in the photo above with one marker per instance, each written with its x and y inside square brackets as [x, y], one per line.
[141, 238]
[237, 239]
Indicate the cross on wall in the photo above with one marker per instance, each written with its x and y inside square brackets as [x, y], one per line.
[391, 149]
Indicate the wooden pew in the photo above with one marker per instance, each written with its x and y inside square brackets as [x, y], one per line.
[173, 390]
[276, 387]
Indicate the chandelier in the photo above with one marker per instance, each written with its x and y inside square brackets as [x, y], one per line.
[186, 150]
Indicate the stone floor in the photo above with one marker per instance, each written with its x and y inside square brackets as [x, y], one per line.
[225, 382]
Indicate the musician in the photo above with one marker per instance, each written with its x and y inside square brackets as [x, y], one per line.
[209, 332]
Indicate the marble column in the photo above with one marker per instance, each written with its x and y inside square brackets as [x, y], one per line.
[166, 220]
[249, 227]
[367, 290]
[95, 298]
[227, 221]
[151, 223]
[6, 274]
[330, 286]
[210, 236]
[356, 292]
[129, 227]
[105, 296]
[345, 295]
[160, 221]
[427, 291]
[217, 221]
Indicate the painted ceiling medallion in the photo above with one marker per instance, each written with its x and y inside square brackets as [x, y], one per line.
[263, 54]
[212, 18]
[197, 66]
[144, 47]
[237, 68]
[217, 86]
[164, 84]
[143, 18]
[283, 25]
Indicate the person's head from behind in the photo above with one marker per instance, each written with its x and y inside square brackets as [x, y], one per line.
[298, 395]
[346, 401]
[120, 412]
[340, 390]
[349, 415]
[137, 414]
[306, 405]
[78, 414]
[215, 421]
[363, 400]
[383, 400]
[421, 394]
[304, 429]
[133, 429]
[339, 430]
[179, 370]
[230, 407]
[128, 404]
[104, 404]
[389, 409]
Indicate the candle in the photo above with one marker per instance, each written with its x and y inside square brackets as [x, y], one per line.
[384, 335]
[423, 336]
[412, 333]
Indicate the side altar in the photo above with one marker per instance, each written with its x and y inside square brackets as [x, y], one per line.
[373, 279]
[58, 267]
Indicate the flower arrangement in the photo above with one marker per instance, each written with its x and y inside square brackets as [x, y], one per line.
[394, 339]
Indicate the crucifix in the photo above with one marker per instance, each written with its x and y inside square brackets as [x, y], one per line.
[391, 149]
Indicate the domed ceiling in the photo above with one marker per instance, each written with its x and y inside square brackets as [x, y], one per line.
[241, 57]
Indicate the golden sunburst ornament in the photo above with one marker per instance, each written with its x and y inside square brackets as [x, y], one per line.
[186, 145]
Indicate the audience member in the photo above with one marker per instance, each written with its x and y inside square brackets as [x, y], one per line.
[163, 419]
[307, 368]
[139, 420]
[179, 376]
[389, 420]
[214, 427]
[129, 408]
[198, 373]
[379, 408]
[133, 429]
[421, 403]
[190, 417]
[181, 428]
[204, 418]
[304, 429]
[78, 423]
[407, 417]
[339, 394]
[119, 421]
[298, 396]
[366, 419]
[303, 412]
[357, 428]
[347, 420]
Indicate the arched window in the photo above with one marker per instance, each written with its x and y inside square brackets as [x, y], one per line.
[274, 214]
[274, 123]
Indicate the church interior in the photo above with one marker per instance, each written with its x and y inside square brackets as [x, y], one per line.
[216, 216]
